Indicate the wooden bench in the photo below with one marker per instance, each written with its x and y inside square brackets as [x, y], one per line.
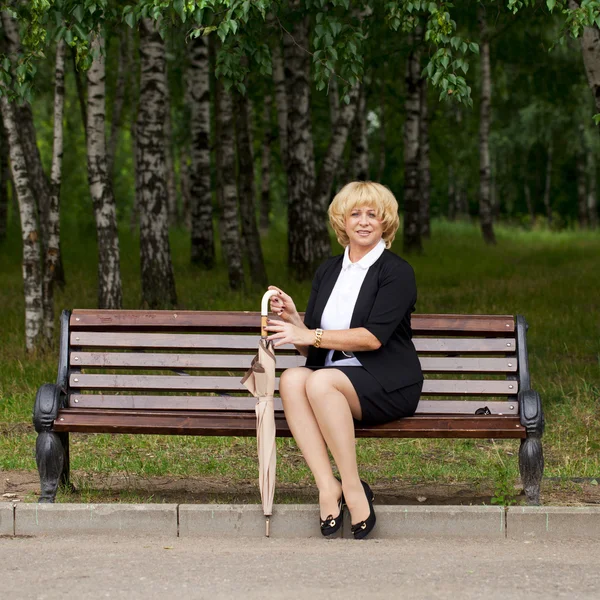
[169, 372]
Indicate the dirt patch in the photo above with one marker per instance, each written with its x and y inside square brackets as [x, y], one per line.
[24, 486]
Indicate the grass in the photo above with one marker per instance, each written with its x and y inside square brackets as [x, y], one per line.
[551, 278]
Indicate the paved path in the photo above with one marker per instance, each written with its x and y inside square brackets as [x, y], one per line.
[99, 566]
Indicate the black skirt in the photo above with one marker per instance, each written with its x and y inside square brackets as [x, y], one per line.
[377, 405]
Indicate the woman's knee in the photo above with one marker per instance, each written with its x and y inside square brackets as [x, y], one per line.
[319, 382]
[293, 380]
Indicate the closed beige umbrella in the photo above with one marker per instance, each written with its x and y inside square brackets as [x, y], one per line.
[260, 381]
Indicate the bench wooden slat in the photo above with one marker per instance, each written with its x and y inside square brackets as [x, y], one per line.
[224, 403]
[455, 387]
[249, 321]
[210, 362]
[244, 424]
[157, 360]
[190, 341]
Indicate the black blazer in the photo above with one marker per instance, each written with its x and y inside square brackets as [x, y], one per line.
[385, 302]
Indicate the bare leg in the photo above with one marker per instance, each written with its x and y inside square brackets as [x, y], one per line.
[334, 403]
[306, 432]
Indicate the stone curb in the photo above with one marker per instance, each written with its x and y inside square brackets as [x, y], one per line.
[297, 521]
[546, 522]
[153, 519]
[7, 518]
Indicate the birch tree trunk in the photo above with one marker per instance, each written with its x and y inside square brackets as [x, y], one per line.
[412, 230]
[119, 101]
[229, 222]
[424, 163]
[333, 95]
[32, 268]
[548, 183]
[52, 249]
[201, 208]
[246, 193]
[37, 177]
[280, 101]
[265, 165]
[133, 60]
[590, 50]
[329, 168]
[80, 92]
[186, 186]
[306, 218]
[485, 207]
[169, 161]
[110, 293]
[3, 182]
[158, 281]
[359, 141]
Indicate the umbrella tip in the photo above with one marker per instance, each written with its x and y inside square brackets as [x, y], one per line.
[268, 527]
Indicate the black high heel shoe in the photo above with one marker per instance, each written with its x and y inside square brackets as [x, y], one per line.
[361, 530]
[332, 524]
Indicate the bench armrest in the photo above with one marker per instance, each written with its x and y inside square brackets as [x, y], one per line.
[50, 398]
[530, 411]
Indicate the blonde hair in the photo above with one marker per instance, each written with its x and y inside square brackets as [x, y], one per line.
[364, 193]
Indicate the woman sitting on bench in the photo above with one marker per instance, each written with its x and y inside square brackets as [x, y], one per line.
[361, 363]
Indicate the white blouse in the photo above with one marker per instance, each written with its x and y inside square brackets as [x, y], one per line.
[340, 306]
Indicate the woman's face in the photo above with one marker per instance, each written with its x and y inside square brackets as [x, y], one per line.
[363, 228]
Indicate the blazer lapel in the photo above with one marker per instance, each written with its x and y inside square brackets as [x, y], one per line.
[325, 289]
[364, 302]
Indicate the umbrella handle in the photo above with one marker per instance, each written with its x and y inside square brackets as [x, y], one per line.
[264, 311]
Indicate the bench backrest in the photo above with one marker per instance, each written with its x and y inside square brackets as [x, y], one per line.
[193, 360]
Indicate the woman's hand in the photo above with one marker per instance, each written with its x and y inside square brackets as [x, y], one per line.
[286, 333]
[283, 306]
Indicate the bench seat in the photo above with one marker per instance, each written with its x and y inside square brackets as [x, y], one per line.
[178, 373]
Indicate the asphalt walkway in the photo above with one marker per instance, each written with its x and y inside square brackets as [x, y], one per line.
[152, 567]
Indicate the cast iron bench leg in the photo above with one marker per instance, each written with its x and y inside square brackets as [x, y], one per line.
[51, 448]
[531, 456]
[50, 458]
[531, 467]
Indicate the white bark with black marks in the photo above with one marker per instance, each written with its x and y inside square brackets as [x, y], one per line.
[229, 222]
[32, 267]
[110, 294]
[265, 165]
[169, 160]
[333, 95]
[306, 218]
[412, 231]
[201, 208]
[247, 191]
[424, 164]
[485, 115]
[123, 75]
[329, 168]
[52, 249]
[158, 281]
[4, 178]
[281, 100]
[359, 143]
[590, 50]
